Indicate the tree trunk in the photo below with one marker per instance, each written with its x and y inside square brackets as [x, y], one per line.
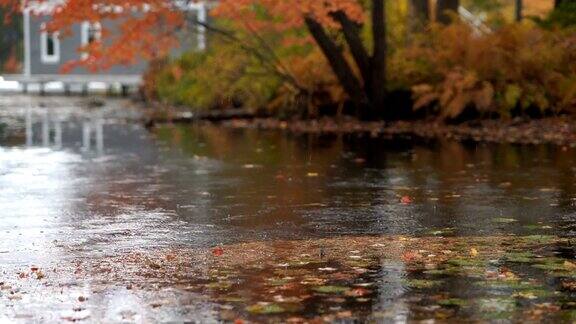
[419, 14]
[338, 63]
[368, 96]
[376, 87]
[444, 9]
[351, 31]
[518, 10]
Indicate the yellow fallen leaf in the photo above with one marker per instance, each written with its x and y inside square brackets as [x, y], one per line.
[526, 295]
[569, 265]
[473, 252]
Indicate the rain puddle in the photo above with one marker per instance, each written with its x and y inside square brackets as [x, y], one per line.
[103, 220]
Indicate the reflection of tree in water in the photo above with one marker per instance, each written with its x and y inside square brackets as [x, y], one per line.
[267, 173]
[458, 186]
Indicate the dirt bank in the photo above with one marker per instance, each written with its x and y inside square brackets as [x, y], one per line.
[553, 130]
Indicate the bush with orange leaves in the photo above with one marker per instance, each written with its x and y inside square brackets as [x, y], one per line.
[516, 70]
[227, 77]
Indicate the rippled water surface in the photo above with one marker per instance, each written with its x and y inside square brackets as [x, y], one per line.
[84, 186]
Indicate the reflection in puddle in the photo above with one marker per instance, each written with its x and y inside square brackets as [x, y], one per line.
[387, 230]
[49, 127]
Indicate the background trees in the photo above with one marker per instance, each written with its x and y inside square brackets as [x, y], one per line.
[336, 27]
[308, 55]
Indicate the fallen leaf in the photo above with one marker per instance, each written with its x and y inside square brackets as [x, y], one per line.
[331, 289]
[410, 256]
[265, 308]
[405, 200]
[358, 292]
[344, 314]
[217, 251]
[569, 265]
[504, 220]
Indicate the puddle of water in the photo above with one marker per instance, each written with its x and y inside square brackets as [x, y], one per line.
[92, 189]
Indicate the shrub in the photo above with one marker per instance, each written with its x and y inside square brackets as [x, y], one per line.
[221, 78]
[235, 74]
[504, 73]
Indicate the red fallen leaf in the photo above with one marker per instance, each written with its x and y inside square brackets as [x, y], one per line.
[238, 321]
[358, 292]
[288, 286]
[280, 177]
[170, 257]
[569, 285]
[341, 276]
[344, 314]
[33, 269]
[217, 251]
[410, 256]
[359, 160]
[82, 299]
[406, 200]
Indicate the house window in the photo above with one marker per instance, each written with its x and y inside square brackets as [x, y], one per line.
[91, 32]
[49, 46]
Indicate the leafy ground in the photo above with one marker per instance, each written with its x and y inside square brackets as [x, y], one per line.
[365, 278]
[551, 130]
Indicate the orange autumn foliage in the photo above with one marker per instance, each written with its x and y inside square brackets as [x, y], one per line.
[518, 69]
[149, 34]
[145, 28]
[288, 14]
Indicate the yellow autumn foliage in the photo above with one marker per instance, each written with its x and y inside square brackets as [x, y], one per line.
[507, 72]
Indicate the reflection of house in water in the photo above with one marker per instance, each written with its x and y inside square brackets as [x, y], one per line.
[88, 128]
[45, 130]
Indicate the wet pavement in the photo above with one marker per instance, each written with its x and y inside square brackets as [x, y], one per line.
[103, 220]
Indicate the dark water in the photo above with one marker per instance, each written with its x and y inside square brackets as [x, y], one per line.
[79, 182]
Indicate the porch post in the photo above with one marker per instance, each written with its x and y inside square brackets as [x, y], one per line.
[26, 13]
